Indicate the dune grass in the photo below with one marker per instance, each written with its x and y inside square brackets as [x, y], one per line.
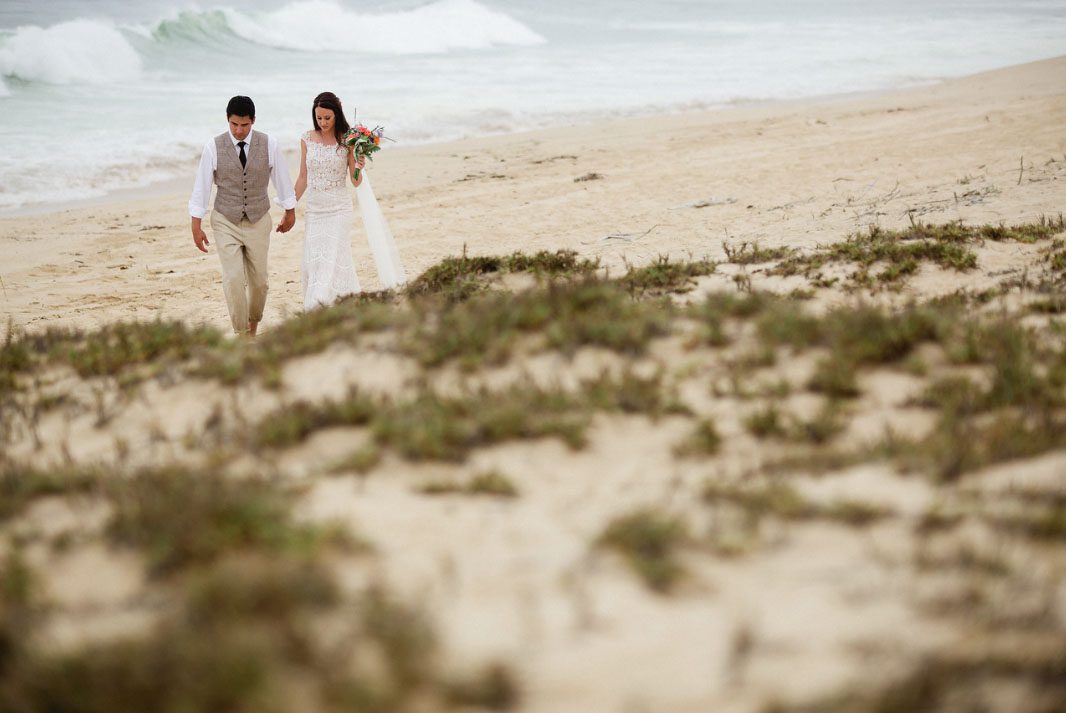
[245, 636]
[292, 423]
[782, 501]
[902, 252]
[777, 499]
[665, 276]
[432, 426]
[20, 485]
[752, 253]
[575, 303]
[952, 681]
[360, 461]
[491, 482]
[567, 315]
[648, 540]
[307, 333]
[703, 441]
[179, 518]
[457, 279]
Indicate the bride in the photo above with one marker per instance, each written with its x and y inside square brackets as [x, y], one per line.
[326, 164]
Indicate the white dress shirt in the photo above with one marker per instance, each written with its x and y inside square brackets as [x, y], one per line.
[205, 176]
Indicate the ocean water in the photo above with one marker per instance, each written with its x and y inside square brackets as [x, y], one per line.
[103, 95]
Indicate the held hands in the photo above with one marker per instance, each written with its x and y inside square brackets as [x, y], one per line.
[287, 221]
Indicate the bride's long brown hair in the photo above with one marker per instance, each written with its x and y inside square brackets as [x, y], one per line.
[329, 100]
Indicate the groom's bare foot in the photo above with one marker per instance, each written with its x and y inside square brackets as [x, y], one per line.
[253, 327]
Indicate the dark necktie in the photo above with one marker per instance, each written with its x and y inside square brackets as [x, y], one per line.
[244, 158]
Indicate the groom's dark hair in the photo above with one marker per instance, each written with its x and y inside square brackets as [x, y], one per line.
[240, 106]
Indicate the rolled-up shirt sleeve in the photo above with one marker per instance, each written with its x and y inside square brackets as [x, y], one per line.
[279, 176]
[205, 178]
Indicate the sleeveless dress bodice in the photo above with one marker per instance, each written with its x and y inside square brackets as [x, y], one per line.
[328, 271]
[327, 176]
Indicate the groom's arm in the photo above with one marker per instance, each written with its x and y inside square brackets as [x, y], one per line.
[279, 176]
[201, 194]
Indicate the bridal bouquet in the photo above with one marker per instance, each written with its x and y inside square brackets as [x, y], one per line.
[364, 142]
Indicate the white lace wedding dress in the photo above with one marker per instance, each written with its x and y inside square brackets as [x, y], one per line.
[328, 271]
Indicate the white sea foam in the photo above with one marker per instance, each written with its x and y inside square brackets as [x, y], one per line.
[4, 91]
[75, 52]
[316, 25]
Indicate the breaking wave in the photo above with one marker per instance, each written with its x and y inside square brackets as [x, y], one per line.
[84, 51]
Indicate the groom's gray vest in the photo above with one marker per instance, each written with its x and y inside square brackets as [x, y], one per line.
[242, 191]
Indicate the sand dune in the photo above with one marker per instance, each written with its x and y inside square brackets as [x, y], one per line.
[822, 555]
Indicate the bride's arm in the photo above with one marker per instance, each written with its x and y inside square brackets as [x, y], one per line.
[301, 180]
[353, 164]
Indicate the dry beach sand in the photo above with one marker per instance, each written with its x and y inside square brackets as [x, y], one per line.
[783, 174]
[794, 610]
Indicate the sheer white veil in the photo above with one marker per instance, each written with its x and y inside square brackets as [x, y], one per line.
[382, 244]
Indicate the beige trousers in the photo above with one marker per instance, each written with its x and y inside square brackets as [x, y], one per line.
[242, 250]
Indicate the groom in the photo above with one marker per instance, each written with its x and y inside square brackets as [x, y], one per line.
[241, 162]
